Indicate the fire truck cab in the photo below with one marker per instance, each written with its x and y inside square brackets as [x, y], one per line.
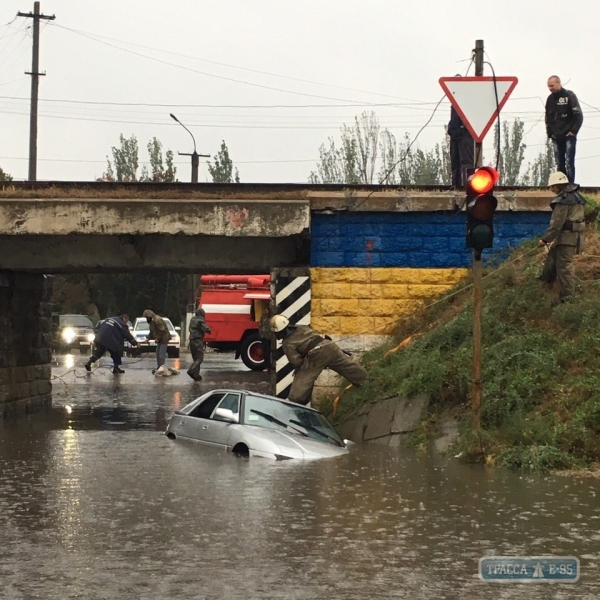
[234, 305]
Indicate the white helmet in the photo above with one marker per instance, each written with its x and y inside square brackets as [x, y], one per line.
[279, 323]
[557, 178]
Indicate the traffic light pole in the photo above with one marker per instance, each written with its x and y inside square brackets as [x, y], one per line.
[477, 384]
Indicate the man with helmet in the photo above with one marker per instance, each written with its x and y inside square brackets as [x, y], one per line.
[564, 235]
[309, 353]
[198, 328]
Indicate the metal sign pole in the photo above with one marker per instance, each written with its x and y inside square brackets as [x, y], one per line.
[477, 281]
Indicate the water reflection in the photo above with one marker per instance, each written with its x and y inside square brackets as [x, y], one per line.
[96, 503]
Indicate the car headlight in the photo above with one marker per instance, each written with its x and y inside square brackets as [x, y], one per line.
[68, 334]
[90, 337]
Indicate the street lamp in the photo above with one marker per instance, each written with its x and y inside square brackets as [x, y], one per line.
[195, 156]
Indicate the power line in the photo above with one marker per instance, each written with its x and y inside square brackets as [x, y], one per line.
[221, 64]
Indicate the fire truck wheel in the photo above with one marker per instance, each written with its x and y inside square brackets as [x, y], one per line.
[252, 353]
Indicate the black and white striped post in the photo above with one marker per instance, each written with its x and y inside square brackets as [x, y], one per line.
[292, 299]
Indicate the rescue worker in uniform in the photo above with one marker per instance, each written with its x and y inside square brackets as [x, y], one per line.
[564, 235]
[198, 328]
[160, 333]
[309, 353]
[110, 335]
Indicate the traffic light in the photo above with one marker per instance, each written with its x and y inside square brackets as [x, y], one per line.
[481, 205]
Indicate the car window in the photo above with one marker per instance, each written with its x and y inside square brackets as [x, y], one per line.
[75, 321]
[206, 407]
[141, 326]
[230, 402]
[294, 419]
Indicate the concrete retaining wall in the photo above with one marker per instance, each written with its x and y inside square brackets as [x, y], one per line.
[26, 326]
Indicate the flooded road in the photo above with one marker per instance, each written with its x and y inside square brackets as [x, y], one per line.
[96, 503]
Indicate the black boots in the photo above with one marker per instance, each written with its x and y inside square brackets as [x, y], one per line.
[117, 370]
[88, 366]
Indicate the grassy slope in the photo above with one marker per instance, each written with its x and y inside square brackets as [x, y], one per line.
[541, 365]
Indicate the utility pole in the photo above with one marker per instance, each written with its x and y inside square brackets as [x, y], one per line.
[195, 156]
[35, 75]
[477, 383]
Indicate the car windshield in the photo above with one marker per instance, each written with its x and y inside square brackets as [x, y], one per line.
[143, 325]
[75, 321]
[296, 420]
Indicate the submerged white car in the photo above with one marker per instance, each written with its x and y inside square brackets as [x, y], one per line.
[252, 424]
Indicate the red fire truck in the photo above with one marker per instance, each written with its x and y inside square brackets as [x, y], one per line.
[234, 305]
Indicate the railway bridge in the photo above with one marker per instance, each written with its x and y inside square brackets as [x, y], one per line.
[370, 254]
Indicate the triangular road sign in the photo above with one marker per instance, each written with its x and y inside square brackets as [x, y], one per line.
[478, 100]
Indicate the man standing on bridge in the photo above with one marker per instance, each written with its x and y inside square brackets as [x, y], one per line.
[111, 334]
[462, 149]
[563, 122]
[309, 353]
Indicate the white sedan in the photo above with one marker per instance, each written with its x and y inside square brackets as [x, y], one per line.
[251, 424]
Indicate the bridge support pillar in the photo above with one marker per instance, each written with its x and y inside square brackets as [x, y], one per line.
[25, 342]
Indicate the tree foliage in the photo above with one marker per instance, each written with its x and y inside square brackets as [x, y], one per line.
[355, 160]
[539, 170]
[365, 149]
[222, 170]
[114, 293]
[4, 176]
[125, 162]
[512, 152]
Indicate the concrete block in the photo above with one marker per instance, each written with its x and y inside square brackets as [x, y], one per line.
[408, 413]
[380, 419]
[354, 428]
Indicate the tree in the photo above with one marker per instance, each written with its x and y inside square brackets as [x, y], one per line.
[403, 165]
[539, 170]
[512, 152]
[4, 176]
[222, 169]
[125, 162]
[355, 160]
[158, 171]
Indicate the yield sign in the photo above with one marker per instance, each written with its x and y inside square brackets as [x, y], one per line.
[478, 100]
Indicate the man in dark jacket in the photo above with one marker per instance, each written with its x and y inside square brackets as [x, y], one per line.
[563, 122]
[198, 328]
[110, 335]
[309, 353]
[462, 149]
[564, 235]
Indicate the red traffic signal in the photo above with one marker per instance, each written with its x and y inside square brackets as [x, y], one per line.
[482, 180]
[481, 205]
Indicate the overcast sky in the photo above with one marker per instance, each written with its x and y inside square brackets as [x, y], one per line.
[276, 78]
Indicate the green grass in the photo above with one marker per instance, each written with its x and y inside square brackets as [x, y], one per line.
[541, 368]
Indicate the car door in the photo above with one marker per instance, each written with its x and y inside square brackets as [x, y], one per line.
[217, 431]
[196, 424]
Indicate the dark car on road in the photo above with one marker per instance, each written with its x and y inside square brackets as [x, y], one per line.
[74, 332]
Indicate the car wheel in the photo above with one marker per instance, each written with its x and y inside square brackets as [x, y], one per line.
[252, 352]
[84, 350]
[173, 353]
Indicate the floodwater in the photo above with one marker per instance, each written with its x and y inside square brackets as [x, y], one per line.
[95, 503]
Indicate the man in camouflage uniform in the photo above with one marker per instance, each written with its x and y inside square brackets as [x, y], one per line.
[564, 235]
[198, 328]
[309, 353]
[160, 333]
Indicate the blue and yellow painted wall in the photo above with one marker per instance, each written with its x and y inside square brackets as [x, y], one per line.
[370, 268]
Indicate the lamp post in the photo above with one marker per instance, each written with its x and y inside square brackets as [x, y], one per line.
[195, 156]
